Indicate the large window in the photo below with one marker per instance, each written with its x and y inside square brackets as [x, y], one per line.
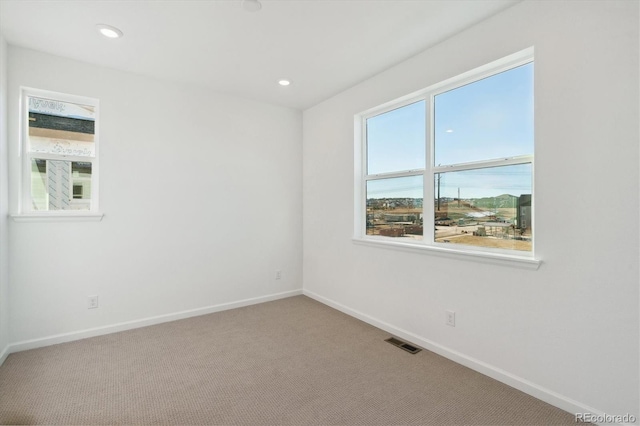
[452, 166]
[59, 146]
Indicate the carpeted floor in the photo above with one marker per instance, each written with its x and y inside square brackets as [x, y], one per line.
[293, 361]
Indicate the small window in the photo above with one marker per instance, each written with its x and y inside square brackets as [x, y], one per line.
[453, 165]
[60, 145]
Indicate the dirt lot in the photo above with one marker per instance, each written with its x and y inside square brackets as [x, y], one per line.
[456, 234]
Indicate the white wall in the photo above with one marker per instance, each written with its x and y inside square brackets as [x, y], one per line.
[202, 200]
[568, 332]
[4, 207]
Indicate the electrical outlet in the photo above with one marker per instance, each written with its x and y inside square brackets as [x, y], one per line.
[278, 274]
[450, 318]
[93, 302]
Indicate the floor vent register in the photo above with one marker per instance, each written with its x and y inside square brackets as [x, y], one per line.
[403, 345]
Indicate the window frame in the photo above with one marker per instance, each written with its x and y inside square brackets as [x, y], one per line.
[25, 209]
[427, 243]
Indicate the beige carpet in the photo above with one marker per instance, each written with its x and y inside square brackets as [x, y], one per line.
[293, 361]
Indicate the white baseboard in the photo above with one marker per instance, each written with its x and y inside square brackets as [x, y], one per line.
[144, 322]
[530, 388]
[4, 354]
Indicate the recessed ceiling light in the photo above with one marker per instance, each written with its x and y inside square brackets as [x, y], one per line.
[449, 131]
[284, 82]
[109, 31]
[251, 5]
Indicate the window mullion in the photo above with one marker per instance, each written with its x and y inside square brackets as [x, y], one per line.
[75, 159]
[428, 203]
[524, 159]
[362, 213]
[394, 175]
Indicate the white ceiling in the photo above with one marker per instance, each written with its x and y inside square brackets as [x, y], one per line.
[322, 46]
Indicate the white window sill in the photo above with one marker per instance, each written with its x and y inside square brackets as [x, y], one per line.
[57, 217]
[477, 256]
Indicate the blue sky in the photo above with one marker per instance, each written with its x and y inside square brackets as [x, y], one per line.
[488, 119]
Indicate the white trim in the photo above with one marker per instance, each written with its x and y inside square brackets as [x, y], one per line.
[428, 185]
[503, 376]
[496, 258]
[143, 322]
[58, 216]
[4, 354]
[360, 185]
[58, 96]
[557, 400]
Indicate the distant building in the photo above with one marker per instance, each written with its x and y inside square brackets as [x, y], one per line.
[400, 217]
[523, 215]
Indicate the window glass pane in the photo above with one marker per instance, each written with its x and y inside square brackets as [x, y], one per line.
[396, 140]
[62, 128]
[81, 180]
[489, 207]
[394, 207]
[488, 119]
[39, 197]
[60, 185]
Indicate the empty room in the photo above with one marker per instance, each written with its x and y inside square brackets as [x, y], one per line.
[320, 212]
